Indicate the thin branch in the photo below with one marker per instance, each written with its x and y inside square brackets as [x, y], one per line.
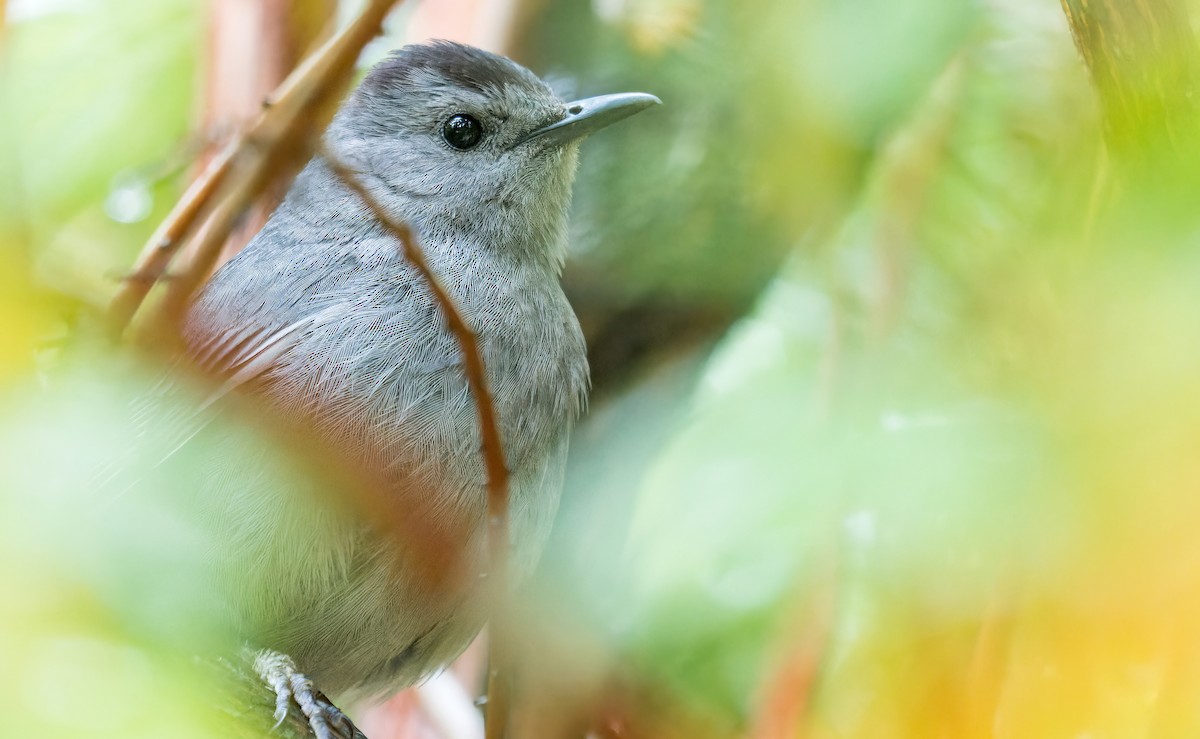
[252, 46]
[282, 137]
[489, 431]
[789, 687]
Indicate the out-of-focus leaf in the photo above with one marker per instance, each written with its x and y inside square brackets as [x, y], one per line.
[102, 89]
[771, 112]
[124, 508]
[861, 420]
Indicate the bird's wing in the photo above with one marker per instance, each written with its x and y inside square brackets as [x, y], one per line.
[237, 356]
[243, 355]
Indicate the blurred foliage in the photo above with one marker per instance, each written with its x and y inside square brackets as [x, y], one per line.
[772, 113]
[98, 103]
[968, 400]
[939, 478]
[109, 602]
[114, 477]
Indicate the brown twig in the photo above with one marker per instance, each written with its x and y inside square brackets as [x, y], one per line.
[282, 137]
[251, 49]
[489, 431]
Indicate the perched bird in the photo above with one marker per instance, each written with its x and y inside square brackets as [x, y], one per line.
[322, 319]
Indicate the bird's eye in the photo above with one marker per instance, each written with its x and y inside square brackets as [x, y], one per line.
[462, 131]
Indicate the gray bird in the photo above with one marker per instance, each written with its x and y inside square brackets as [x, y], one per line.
[323, 319]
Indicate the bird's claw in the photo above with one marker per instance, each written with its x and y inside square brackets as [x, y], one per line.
[292, 686]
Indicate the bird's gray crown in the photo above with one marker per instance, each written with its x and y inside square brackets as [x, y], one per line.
[465, 66]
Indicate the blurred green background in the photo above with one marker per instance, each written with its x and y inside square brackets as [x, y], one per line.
[893, 311]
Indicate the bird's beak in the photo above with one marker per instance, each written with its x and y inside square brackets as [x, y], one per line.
[592, 114]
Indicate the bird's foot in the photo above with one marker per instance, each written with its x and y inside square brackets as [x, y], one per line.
[294, 687]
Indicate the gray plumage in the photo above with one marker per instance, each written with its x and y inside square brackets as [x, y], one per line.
[322, 317]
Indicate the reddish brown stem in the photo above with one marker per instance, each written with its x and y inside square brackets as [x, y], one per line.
[489, 431]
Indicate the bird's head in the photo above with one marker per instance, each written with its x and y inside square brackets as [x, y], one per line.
[462, 141]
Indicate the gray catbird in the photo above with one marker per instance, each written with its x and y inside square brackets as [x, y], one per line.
[322, 316]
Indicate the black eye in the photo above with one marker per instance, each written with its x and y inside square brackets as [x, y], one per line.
[462, 131]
